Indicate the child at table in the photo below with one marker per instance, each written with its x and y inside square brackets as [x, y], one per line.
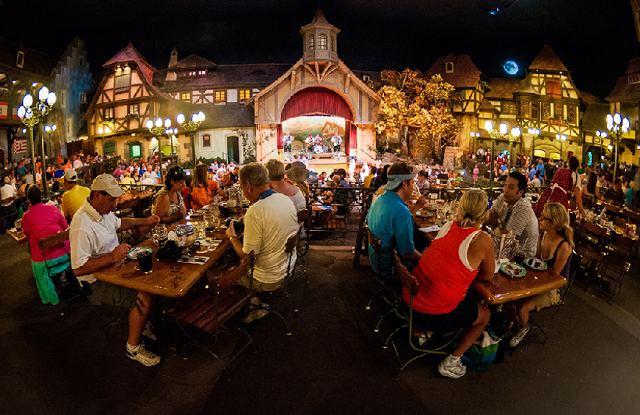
[554, 247]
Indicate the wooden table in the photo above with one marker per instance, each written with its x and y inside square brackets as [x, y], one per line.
[506, 289]
[169, 278]
[18, 236]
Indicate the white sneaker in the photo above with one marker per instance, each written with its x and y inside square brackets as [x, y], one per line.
[517, 338]
[142, 355]
[452, 367]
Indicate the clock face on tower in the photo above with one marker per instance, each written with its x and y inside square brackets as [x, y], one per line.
[510, 67]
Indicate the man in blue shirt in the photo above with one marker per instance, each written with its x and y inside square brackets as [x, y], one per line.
[391, 221]
[540, 167]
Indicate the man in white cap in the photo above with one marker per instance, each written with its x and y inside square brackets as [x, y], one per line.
[94, 245]
[391, 221]
[74, 196]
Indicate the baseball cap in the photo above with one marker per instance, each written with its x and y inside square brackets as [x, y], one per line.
[70, 175]
[107, 183]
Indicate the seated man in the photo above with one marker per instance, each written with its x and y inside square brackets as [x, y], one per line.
[513, 212]
[277, 183]
[74, 197]
[269, 222]
[615, 193]
[391, 221]
[94, 245]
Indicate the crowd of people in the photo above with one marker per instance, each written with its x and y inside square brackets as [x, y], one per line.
[445, 268]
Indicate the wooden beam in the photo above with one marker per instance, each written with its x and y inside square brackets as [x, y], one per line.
[346, 83]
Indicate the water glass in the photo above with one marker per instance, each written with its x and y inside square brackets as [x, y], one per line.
[159, 235]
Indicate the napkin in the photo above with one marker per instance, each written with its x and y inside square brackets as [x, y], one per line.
[434, 228]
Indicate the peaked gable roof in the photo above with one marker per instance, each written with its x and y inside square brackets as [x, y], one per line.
[465, 73]
[130, 54]
[193, 62]
[547, 60]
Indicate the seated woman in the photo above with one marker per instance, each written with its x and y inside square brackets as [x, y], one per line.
[459, 254]
[39, 222]
[276, 180]
[554, 247]
[422, 181]
[591, 187]
[200, 193]
[169, 204]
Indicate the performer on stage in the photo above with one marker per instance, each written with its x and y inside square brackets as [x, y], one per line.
[309, 142]
[287, 140]
[336, 140]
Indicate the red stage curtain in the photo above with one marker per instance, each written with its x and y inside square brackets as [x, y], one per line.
[280, 146]
[316, 101]
[353, 137]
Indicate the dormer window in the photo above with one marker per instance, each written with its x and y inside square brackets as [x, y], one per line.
[322, 42]
[312, 42]
[448, 67]
[366, 78]
[634, 78]
[20, 60]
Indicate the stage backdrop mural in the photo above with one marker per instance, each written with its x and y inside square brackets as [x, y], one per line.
[301, 127]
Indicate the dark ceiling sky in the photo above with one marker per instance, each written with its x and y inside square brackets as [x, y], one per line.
[594, 38]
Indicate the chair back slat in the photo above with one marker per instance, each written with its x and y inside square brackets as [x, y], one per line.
[53, 240]
[408, 280]
[374, 242]
[292, 242]
[233, 274]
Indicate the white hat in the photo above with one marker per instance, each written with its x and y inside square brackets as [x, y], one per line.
[107, 183]
[70, 175]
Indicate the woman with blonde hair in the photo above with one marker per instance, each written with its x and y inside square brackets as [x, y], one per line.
[459, 254]
[554, 247]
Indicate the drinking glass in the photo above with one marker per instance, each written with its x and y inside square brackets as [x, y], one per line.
[159, 235]
[145, 261]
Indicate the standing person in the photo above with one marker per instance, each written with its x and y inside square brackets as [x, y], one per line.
[513, 212]
[564, 181]
[476, 173]
[554, 247]
[277, 183]
[287, 141]
[39, 222]
[590, 188]
[460, 253]
[309, 142]
[94, 246]
[168, 204]
[74, 197]
[390, 220]
[336, 140]
[8, 195]
[77, 163]
[371, 177]
[268, 224]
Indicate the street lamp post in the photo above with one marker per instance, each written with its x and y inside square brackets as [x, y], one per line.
[515, 133]
[31, 113]
[171, 133]
[192, 125]
[617, 128]
[536, 133]
[562, 138]
[601, 135]
[158, 129]
[474, 135]
[48, 129]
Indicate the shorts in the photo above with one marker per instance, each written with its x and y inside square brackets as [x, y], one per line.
[258, 286]
[287, 148]
[464, 315]
[107, 293]
[546, 299]
[336, 148]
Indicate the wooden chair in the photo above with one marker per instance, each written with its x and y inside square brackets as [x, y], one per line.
[631, 216]
[289, 248]
[616, 260]
[304, 220]
[590, 239]
[61, 275]
[411, 284]
[211, 310]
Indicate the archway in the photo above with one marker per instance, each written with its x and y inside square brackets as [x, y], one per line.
[326, 104]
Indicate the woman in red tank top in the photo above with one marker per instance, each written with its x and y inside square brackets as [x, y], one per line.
[460, 253]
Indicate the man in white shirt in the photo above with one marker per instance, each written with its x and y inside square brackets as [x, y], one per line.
[77, 163]
[94, 246]
[268, 224]
[8, 195]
